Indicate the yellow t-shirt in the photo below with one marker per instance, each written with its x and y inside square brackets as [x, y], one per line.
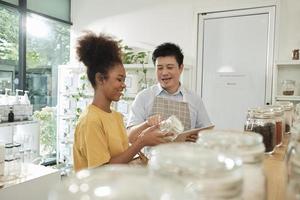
[98, 137]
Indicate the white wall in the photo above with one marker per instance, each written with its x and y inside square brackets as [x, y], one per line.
[147, 23]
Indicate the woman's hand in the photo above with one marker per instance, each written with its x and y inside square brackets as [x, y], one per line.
[154, 120]
[153, 136]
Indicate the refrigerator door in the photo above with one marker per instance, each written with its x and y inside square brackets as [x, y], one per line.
[236, 59]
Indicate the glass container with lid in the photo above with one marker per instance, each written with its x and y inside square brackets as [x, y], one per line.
[297, 113]
[250, 118]
[293, 159]
[211, 174]
[279, 122]
[264, 124]
[172, 124]
[293, 190]
[288, 114]
[288, 87]
[115, 182]
[250, 148]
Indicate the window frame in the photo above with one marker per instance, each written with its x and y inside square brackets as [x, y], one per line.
[23, 11]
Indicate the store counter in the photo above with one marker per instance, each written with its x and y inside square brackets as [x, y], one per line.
[276, 172]
[35, 184]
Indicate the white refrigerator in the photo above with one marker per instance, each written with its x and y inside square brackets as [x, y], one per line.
[235, 58]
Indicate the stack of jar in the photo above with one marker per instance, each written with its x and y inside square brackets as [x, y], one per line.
[251, 150]
[208, 173]
[12, 161]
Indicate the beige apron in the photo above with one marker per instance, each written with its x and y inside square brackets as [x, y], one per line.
[166, 107]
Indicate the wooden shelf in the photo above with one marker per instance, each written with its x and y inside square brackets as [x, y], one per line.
[288, 98]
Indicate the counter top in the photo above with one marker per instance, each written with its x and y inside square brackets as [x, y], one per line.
[32, 172]
[34, 184]
[276, 171]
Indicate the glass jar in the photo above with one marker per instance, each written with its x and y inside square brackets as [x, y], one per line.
[172, 124]
[293, 190]
[288, 87]
[2, 168]
[2, 152]
[2, 158]
[279, 122]
[251, 150]
[115, 182]
[249, 118]
[208, 173]
[293, 159]
[297, 113]
[288, 114]
[264, 124]
[9, 151]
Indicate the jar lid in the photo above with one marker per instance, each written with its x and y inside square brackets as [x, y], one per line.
[191, 158]
[264, 115]
[114, 182]
[248, 145]
[288, 82]
[277, 109]
[201, 170]
[17, 144]
[287, 105]
[9, 145]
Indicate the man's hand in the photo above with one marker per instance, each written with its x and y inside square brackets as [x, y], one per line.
[188, 137]
[153, 136]
[154, 120]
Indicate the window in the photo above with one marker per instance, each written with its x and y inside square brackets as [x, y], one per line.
[9, 47]
[48, 46]
[30, 56]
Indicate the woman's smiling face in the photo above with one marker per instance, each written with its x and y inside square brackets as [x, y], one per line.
[114, 83]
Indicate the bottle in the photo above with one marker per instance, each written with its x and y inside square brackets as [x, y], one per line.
[17, 99]
[5, 100]
[11, 115]
[25, 98]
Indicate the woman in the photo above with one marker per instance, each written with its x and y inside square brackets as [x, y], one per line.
[100, 135]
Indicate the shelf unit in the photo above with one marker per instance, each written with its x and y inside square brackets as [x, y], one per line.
[286, 70]
[70, 81]
[26, 133]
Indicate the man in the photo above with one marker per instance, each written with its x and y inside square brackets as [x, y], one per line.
[168, 97]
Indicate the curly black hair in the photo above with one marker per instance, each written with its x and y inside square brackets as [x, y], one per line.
[168, 49]
[99, 53]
